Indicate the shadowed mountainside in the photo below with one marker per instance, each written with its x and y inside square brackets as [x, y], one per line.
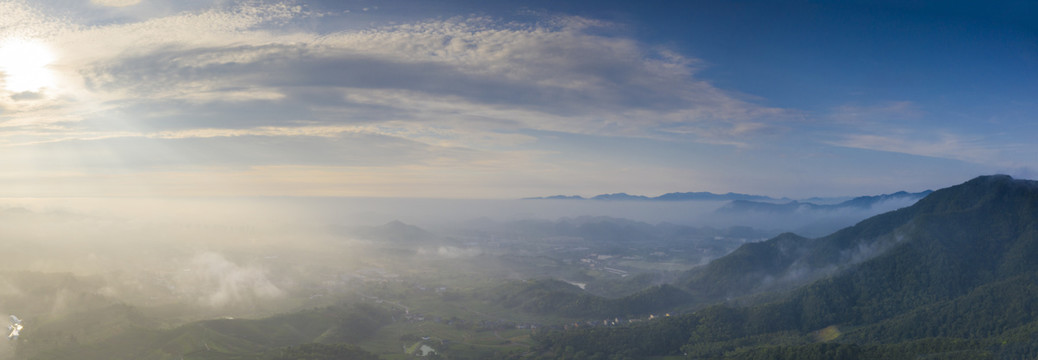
[952, 276]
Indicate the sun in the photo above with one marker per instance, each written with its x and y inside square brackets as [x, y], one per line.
[24, 65]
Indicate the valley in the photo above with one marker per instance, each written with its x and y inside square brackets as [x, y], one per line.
[566, 288]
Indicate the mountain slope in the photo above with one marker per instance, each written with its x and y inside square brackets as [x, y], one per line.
[960, 238]
[789, 260]
[949, 244]
[952, 276]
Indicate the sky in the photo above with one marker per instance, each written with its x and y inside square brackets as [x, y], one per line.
[512, 99]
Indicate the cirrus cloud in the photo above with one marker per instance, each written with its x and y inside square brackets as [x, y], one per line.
[252, 85]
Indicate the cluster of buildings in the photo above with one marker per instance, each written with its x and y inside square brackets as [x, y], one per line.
[600, 262]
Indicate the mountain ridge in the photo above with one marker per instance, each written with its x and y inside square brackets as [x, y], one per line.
[859, 201]
[673, 196]
[952, 276]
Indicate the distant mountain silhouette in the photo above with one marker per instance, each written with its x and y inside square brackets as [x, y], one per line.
[393, 231]
[861, 202]
[559, 197]
[674, 196]
[745, 201]
[620, 196]
[708, 196]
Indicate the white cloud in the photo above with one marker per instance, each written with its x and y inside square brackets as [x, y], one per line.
[557, 77]
[940, 145]
[216, 281]
[907, 127]
[253, 86]
[859, 115]
[115, 3]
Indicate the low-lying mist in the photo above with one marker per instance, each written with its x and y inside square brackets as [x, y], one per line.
[214, 257]
[805, 220]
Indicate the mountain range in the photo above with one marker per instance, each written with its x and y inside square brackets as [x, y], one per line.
[747, 202]
[674, 196]
[953, 276]
[861, 202]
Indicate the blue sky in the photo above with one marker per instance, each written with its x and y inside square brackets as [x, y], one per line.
[508, 99]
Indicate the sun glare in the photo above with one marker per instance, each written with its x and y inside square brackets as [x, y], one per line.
[24, 65]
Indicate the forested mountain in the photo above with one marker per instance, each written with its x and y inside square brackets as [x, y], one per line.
[748, 202]
[953, 276]
[789, 260]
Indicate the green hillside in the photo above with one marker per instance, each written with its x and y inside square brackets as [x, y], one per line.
[789, 260]
[954, 277]
[125, 335]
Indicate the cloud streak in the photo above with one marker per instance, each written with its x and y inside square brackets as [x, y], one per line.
[218, 282]
[252, 85]
[555, 76]
[943, 145]
[235, 87]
